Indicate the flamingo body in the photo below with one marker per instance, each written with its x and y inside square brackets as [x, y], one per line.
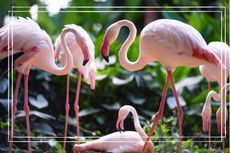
[172, 43]
[89, 70]
[120, 142]
[213, 72]
[35, 44]
[31, 46]
[159, 43]
[165, 40]
[125, 142]
[77, 45]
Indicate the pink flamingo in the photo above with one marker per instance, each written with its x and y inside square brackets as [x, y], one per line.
[214, 73]
[32, 47]
[207, 111]
[171, 42]
[76, 46]
[122, 142]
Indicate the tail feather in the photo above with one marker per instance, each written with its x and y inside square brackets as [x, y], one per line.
[209, 56]
[4, 62]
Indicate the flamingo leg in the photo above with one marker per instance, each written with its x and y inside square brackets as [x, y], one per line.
[180, 111]
[76, 105]
[209, 86]
[209, 137]
[13, 110]
[209, 125]
[159, 114]
[67, 107]
[27, 111]
[223, 144]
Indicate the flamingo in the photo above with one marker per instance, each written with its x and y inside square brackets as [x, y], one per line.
[30, 46]
[207, 111]
[214, 73]
[172, 43]
[120, 142]
[88, 71]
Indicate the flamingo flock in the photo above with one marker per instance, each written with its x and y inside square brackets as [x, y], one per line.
[171, 42]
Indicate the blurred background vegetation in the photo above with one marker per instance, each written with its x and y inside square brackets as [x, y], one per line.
[115, 86]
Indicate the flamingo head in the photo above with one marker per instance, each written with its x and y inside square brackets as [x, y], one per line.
[90, 76]
[206, 114]
[122, 114]
[85, 50]
[110, 36]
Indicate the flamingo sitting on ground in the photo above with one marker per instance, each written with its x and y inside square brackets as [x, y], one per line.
[214, 73]
[120, 142]
[89, 71]
[171, 42]
[30, 46]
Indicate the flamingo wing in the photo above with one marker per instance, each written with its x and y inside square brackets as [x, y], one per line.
[27, 37]
[207, 55]
[180, 38]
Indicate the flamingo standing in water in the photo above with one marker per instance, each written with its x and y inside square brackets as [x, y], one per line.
[171, 42]
[120, 142]
[214, 73]
[30, 46]
[76, 46]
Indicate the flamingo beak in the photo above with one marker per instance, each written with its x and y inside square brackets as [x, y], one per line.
[85, 52]
[106, 58]
[105, 49]
[85, 62]
[120, 126]
[92, 83]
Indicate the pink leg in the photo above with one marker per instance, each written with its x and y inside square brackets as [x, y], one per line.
[223, 145]
[27, 111]
[209, 137]
[209, 125]
[67, 112]
[76, 105]
[159, 114]
[180, 111]
[13, 111]
[209, 86]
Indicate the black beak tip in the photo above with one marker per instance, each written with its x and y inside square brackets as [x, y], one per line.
[106, 58]
[119, 130]
[85, 62]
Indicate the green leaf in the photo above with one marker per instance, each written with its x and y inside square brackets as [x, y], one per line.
[201, 97]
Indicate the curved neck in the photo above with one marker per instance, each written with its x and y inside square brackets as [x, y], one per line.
[211, 94]
[223, 106]
[68, 54]
[137, 125]
[123, 58]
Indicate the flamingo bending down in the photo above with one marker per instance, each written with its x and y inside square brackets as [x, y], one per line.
[120, 142]
[32, 47]
[171, 42]
[207, 111]
[214, 73]
[76, 46]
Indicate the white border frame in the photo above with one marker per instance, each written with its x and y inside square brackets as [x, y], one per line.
[122, 7]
